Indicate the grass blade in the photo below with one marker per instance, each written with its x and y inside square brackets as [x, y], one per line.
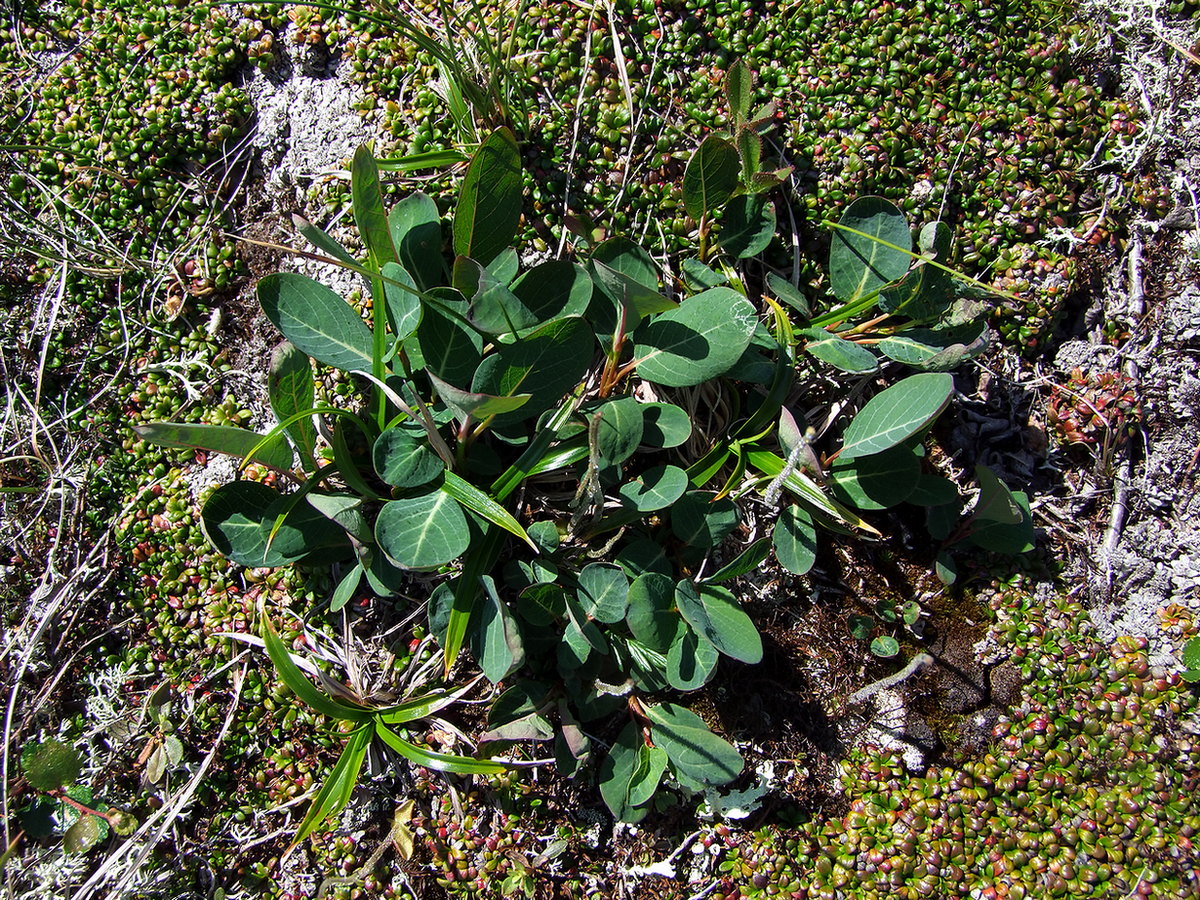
[441, 762]
[291, 675]
[482, 505]
[335, 793]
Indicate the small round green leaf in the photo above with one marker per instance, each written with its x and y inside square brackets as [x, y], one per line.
[234, 521]
[885, 645]
[1191, 653]
[51, 764]
[861, 263]
[316, 320]
[711, 176]
[693, 749]
[403, 307]
[862, 627]
[422, 532]
[489, 203]
[404, 461]
[545, 535]
[642, 556]
[702, 522]
[933, 490]
[666, 425]
[655, 488]
[604, 592]
[554, 289]
[619, 431]
[86, 833]
[839, 352]
[699, 340]
[747, 226]
[617, 775]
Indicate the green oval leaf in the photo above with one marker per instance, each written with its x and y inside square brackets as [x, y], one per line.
[996, 502]
[739, 90]
[655, 488]
[1002, 536]
[839, 352]
[652, 617]
[747, 226]
[860, 263]
[651, 764]
[716, 615]
[701, 521]
[885, 646]
[316, 320]
[617, 773]
[546, 363]
[699, 277]
[497, 639]
[939, 349]
[494, 309]
[218, 439]
[896, 414]
[290, 391]
[666, 425]
[619, 430]
[86, 833]
[692, 748]
[344, 592]
[877, 481]
[416, 231]
[346, 510]
[789, 294]
[367, 201]
[403, 307]
[504, 267]
[51, 764]
[624, 256]
[700, 340]
[795, 540]
[604, 592]
[465, 404]
[448, 348]
[711, 176]
[630, 295]
[422, 532]
[1191, 655]
[403, 461]
[691, 660]
[489, 201]
[933, 490]
[554, 289]
[234, 521]
[746, 561]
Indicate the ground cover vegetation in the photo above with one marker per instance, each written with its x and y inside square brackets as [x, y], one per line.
[682, 286]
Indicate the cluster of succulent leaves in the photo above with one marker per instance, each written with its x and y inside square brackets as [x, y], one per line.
[487, 383]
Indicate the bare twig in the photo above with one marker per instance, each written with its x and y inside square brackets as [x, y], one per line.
[915, 664]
